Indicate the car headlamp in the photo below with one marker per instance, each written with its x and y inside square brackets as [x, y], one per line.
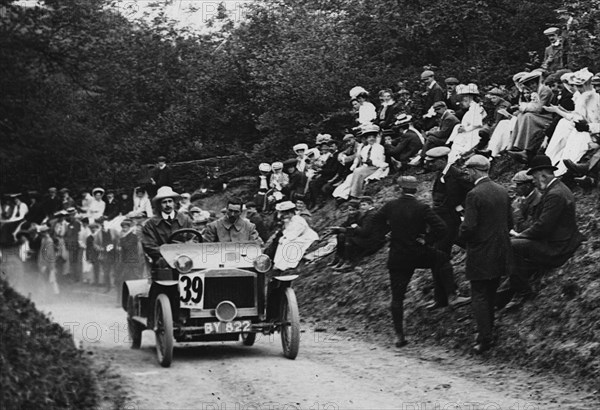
[262, 263]
[184, 264]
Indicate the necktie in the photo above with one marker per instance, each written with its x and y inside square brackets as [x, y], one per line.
[369, 153]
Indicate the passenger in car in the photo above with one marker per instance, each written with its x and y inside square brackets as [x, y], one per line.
[231, 227]
[296, 237]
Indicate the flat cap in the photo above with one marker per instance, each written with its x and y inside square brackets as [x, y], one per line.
[408, 182]
[126, 222]
[451, 80]
[292, 162]
[551, 30]
[437, 152]
[478, 162]
[162, 159]
[426, 74]
[439, 104]
[496, 91]
[348, 137]
[521, 177]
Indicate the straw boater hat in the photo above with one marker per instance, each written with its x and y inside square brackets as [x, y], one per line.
[323, 139]
[403, 119]
[285, 206]
[299, 147]
[369, 129]
[98, 189]
[276, 166]
[467, 89]
[264, 167]
[165, 192]
[534, 75]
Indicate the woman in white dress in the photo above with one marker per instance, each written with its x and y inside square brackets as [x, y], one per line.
[97, 206]
[296, 237]
[567, 143]
[465, 135]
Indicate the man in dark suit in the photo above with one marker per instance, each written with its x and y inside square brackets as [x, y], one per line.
[361, 239]
[130, 261]
[452, 99]
[553, 237]
[433, 93]
[402, 149]
[449, 191]
[439, 135]
[162, 174]
[389, 108]
[485, 230]
[414, 227]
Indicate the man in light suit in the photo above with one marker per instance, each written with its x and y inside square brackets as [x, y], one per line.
[485, 230]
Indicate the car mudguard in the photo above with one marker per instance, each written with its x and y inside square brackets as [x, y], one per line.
[133, 288]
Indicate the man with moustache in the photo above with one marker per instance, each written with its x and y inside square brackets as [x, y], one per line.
[167, 220]
[232, 227]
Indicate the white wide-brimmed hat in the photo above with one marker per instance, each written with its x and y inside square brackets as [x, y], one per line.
[165, 192]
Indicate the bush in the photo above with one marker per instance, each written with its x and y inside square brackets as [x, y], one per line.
[41, 368]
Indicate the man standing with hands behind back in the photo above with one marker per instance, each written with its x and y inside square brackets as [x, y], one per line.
[485, 230]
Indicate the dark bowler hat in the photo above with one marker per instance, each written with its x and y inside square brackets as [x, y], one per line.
[540, 162]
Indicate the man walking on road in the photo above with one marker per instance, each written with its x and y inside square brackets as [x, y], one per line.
[414, 227]
[485, 230]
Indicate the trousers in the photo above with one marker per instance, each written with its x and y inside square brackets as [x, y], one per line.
[483, 302]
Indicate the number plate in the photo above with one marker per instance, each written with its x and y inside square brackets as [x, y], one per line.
[227, 327]
[191, 290]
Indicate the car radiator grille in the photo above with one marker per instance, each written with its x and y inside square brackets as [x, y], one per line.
[239, 290]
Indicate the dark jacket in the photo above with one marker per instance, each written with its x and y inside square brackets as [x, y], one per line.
[525, 209]
[389, 116]
[51, 205]
[447, 123]
[409, 220]
[494, 117]
[36, 213]
[162, 177]
[452, 191]
[125, 206]
[405, 147]
[130, 259]
[156, 231]
[436, 93]
[364, 235]
[259, 223]
[485, 230]
[112, 209]
[555, 225]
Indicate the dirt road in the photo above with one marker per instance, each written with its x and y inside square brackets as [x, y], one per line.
[333, 370]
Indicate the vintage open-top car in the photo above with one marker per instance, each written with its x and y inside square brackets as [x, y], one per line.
[211, 292]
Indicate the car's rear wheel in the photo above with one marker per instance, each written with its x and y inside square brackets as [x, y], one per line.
[290, 324]
[163, 329]
[134, 328]
[248, 339]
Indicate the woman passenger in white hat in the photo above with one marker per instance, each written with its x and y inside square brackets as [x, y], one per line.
[296, 237]
[465, 135]
[97, 205]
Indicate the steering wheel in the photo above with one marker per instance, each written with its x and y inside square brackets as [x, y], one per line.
[187, 234]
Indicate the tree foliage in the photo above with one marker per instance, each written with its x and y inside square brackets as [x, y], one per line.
[88, 96]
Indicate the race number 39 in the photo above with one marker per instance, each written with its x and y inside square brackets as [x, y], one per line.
[191, 289]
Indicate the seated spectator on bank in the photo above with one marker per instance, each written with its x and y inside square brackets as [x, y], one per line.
[348, 152]
[438, 135]
[297, 179]
[388, 110]
[97, 207]
[67, 200]
[125, 203]
[366, 111]
[300, 151]
[232, 227]
[352, 209]
[278, 182]
[142, 207]
[552, 238]
[371, 158]
[433, 93]
[527, 200]
[585, 172]
[452, 100]
[361, 239]
[532, 120]
[329, 173]
[465, 136]
[111, 210]
[567, 143]
[295, 239]
[405, 102]
[254, 216]
[497, 113]
[406, 146]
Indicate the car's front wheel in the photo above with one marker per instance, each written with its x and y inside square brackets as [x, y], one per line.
[163, 329]
[290, 324]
